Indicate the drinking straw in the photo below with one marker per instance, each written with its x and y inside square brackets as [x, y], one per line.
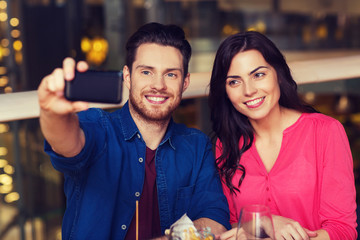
[137, 220]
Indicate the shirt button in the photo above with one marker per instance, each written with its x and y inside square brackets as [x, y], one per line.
[266, 178]
[141, 160]
[267, 189]
[138, 135]
[123, 227]
[269, 200]
[137, 194]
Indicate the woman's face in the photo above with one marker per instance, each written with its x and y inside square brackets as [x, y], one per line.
[252, 85]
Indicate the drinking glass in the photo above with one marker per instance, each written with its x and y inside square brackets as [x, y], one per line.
[255, 222]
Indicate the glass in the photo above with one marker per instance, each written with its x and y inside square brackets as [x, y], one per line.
[255, 222]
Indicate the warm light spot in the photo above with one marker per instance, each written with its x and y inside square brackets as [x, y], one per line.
[261, 26]
[3, 17]
[58, 234]
[3, 163]
[5, 179]
[17, 45]
[5, 42]
[3, 151]
[3, 127]
[5, 52]
[96, 50]
[15, 33]
[8, 90]
[14, 22]
[12, 197]
[251, 29]
[3, 5]
[310, 97]
[355, 118]
[8, 169]
[227, 29]
[18, 57]
[322, 32]
[3, 70]
[4, 189]
[306, 35]
[85, 44]
[3, 82]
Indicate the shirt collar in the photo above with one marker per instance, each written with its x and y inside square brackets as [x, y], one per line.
[130, 129]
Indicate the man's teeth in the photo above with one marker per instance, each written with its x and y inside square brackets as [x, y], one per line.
[156, 99]
[253, 102]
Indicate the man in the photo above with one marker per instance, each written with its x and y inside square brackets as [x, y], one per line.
[112, 160]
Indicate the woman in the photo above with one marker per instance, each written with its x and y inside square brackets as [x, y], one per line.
[274, 150]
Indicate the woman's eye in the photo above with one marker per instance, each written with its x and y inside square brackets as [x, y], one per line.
[259, 75]
[233, 82]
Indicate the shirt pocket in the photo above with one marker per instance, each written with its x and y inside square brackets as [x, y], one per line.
[183, 200]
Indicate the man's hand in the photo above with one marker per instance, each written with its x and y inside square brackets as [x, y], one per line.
[51, 89]
[216, 228]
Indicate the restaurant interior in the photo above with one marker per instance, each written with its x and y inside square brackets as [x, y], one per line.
[36, 35]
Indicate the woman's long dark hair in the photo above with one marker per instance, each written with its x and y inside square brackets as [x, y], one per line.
[228, 124]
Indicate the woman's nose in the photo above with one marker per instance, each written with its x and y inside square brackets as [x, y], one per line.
[249, 89]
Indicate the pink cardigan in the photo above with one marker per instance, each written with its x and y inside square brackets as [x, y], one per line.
[312, 180]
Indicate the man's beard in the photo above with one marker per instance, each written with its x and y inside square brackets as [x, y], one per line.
[155, 114]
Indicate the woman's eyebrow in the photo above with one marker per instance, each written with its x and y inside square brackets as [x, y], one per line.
[237, 76]
[233, 76]
[257, 69]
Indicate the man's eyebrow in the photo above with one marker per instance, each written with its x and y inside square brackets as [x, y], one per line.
[144, 66]
[167, 70]
[237, 76]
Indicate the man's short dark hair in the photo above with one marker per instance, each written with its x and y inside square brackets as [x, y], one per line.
[166, 35]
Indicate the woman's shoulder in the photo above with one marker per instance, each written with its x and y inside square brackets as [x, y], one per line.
[319, 121]
[318, 117]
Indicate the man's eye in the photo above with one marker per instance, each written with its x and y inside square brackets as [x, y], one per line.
[172, 75]
[146, 72]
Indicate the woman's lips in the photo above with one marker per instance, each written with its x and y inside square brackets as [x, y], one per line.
[255, 103]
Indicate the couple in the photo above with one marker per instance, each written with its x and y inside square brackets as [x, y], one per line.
[112, 160]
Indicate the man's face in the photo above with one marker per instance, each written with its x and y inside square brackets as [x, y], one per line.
[156, 82]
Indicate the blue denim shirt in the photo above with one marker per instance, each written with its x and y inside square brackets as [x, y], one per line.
[103, 182]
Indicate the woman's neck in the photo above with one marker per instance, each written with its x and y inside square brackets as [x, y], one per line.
[275, 123]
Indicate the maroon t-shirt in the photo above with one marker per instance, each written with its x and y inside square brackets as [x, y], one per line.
[149, 219]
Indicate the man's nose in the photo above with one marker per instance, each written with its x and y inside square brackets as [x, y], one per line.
[158, 82]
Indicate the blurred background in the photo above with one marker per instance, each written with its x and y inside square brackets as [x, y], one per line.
[36, 35]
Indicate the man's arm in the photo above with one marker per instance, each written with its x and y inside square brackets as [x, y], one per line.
[58, 119]
[216, 228]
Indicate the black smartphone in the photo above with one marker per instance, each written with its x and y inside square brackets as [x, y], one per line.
[95, 86]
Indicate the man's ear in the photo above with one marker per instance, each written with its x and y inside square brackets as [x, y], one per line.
[126, 76]
[186, 82]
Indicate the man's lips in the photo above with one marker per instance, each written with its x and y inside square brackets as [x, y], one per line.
[156, 99]
[255, 102]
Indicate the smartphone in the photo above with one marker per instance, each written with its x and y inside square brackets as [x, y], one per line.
[95, 86]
